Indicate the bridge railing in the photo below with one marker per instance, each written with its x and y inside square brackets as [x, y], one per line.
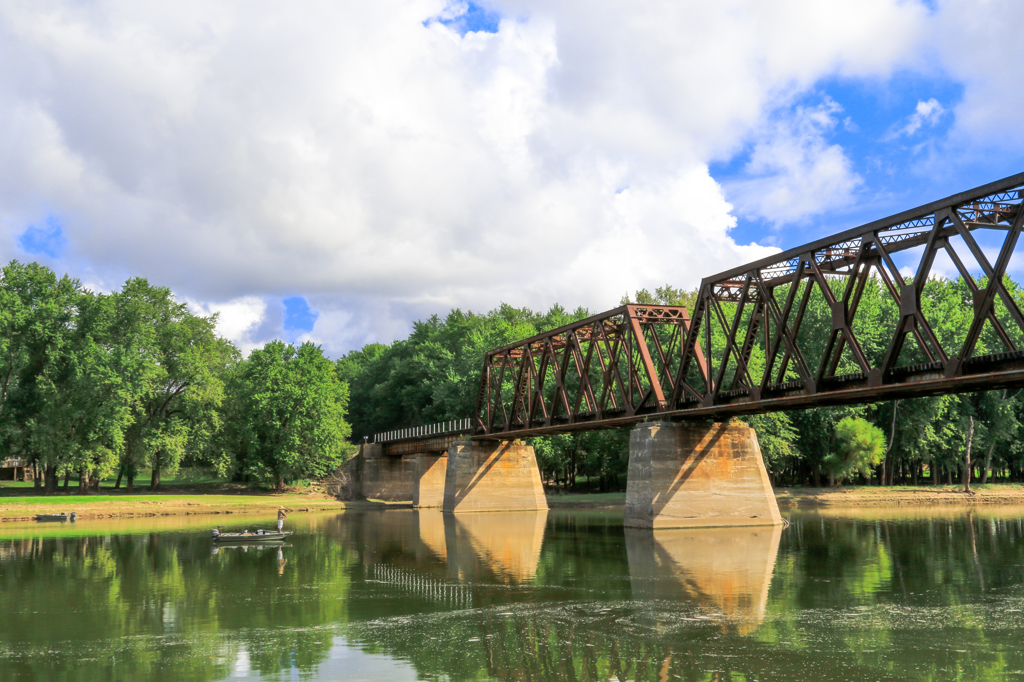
[452, 427]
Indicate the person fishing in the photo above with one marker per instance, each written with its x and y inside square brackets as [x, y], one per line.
[281, 516]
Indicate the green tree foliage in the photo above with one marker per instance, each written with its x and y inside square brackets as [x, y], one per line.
[61, 400]
[173, 364]
[93, 384]
[434, 375]
[859, 447]
[290, 414]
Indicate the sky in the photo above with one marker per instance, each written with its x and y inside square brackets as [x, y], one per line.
[333, 171]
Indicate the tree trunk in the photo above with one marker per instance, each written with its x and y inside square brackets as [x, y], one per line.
[935, 472]
[154, 481]
[280, 483]
[83, 481]
[50, 476]
[967, 455]
[892, 439]
[130, 482]
[37, 480]
[67, 477]
[117, 483]
[988, 463]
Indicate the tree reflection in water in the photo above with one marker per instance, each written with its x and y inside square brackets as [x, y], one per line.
[525, 596]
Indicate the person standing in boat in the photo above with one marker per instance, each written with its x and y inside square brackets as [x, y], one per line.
[281, 516]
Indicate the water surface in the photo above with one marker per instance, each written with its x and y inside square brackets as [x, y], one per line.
[565, 595]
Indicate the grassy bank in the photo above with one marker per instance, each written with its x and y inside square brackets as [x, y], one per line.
[96, 506]
[19, 503]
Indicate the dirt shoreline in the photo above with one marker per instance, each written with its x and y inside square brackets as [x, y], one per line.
[848, 497]
[25, 509]
[870, 496]
[12, 509]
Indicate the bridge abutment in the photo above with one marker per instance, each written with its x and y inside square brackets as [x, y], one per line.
[492, 476]
[697, 475]
[387, 477]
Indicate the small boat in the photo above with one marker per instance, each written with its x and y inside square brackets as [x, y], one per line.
[246, 536]
[62, 517]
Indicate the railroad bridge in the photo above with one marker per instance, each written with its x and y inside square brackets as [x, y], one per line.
[748, 346]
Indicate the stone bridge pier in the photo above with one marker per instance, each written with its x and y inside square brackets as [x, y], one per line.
[697, 475]
[471, 476]
[492, 476]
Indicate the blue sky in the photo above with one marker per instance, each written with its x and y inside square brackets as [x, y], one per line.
[44, 239]
[901, 162]
[468, 17]
[371, 164]
[298, 318]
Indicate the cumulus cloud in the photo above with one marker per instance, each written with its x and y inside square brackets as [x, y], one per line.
[238, 320]
[925, 113]
[985, 58]
[385, 164]
[793, 171]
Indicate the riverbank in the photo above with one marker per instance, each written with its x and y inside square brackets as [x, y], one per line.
[878, 496]
[23, 507]
[849, 496]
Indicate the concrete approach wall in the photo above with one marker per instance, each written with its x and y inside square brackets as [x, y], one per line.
[385, 477]
[697, 475]
[492, 476]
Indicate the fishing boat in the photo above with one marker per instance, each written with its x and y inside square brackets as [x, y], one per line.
[247, 536]
[62, 517]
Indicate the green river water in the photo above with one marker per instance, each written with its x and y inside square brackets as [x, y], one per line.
[560, 595]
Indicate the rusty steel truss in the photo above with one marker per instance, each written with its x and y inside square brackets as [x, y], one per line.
[758, 341]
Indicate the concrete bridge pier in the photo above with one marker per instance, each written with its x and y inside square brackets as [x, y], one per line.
[428, 490]
[492, 476]
[697, 475]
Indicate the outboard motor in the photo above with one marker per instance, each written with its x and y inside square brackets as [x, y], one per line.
[215, 532]
[74, 515]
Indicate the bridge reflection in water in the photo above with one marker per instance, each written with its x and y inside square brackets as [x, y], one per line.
[675, 604]
[726, 571]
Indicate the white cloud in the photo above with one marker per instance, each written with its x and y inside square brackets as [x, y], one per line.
[985, 57]
[238, 320]
[386, 169]
[925, 113]
[793, 171]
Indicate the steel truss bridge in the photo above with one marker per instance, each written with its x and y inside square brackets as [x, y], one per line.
[756, 342]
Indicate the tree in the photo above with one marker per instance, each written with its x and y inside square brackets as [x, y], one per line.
[777, 439]
[289, 414]
[860, 447]
[172, 364]
[50, 411]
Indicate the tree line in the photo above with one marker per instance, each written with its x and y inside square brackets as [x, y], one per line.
[433, 375]
[97, 385]
[130, 383]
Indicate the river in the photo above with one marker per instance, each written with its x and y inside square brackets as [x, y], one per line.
[560, 595]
